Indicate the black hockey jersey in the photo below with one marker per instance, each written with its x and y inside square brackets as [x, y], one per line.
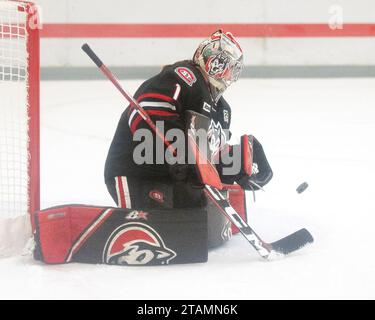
[166, 97]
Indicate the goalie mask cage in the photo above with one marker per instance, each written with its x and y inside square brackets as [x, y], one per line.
[19, 111]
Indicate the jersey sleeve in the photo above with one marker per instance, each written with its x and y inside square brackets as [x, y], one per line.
[162, 97]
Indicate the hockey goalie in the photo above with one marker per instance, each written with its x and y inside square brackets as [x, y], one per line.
[162, 215]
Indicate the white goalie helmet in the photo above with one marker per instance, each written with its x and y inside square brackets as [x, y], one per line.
[220, 58]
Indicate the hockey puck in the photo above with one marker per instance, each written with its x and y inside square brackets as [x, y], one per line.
[302, 187]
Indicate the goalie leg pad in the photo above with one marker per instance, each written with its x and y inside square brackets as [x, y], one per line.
[88, 234]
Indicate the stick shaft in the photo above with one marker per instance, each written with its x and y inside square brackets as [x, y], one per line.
[99, 63]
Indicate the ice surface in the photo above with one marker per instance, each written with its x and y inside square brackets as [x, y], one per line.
[318, 131]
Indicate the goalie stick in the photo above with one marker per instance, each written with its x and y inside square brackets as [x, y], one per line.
[284, 246]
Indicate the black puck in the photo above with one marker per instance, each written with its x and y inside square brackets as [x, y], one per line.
[302, 187]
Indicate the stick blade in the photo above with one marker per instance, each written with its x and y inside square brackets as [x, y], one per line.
[293, 242]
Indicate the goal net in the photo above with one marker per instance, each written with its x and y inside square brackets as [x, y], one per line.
[19, 121]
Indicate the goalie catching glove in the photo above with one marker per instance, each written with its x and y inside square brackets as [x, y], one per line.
[255, 170]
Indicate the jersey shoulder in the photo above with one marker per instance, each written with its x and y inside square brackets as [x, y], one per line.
[185, 73]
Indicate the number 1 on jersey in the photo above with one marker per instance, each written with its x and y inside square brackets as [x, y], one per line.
[177, 92]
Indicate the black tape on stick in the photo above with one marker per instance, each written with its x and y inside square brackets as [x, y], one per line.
[92, 55]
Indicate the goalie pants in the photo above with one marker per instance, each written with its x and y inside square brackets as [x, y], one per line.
[142, 194]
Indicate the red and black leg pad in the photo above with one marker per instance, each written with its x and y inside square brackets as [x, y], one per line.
[236, 197]
[89, 234]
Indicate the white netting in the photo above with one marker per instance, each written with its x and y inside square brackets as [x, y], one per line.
[13, 110]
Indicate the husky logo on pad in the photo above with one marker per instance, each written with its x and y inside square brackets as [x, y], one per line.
[187, 75]
[136, 243]
[216, 136]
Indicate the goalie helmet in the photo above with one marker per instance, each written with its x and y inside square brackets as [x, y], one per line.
[220, 58]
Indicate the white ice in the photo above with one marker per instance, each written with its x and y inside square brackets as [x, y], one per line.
[318, 131]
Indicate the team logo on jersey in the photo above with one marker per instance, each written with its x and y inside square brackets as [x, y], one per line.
[136, 243]
[216, 137]
[186, 74]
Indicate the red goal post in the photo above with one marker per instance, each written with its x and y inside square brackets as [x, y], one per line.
[19, 109]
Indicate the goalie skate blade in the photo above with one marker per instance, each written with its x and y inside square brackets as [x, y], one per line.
[293, 242]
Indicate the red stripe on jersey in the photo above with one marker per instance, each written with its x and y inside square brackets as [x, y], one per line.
[155, 96]
[161, 113]
[122, 202]
[137, 119]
